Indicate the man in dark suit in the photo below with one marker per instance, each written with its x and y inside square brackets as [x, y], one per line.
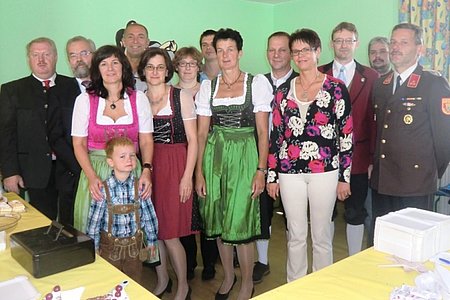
[412, 110]
[26, 159]
[79, 53]
[359, 80]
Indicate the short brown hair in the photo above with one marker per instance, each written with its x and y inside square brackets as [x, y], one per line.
[185, 52]
[117, 141]
[345, 26]
[307, 36]
[152, 52]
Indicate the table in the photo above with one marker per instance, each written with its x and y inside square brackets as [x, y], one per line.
[356, 277]
[98, 278]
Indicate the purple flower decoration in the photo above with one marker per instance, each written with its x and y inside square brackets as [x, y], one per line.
[313, 130]
[326, 84]
[346, 161]
[325, 152]
[337, 93]
[285, 165]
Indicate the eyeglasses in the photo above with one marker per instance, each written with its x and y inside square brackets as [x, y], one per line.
[304, 51]
[343, 41]
[83, 53]
[158, 68]
[183, 64]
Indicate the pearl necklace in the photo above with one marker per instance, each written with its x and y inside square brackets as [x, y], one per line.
[229, 85]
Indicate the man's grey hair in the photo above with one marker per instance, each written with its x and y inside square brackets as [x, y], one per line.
[80, 38]
[378, 39]
[418, 31]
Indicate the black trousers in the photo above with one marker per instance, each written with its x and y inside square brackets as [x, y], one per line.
[384, 204]
[355, 212]
[46, 199]
[266, 214]
[208, 249]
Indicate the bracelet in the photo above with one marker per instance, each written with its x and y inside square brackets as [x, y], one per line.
[264, 170]
[148, 165]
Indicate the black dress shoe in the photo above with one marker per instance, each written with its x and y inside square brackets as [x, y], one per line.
[220, 296]
[259, 271]
[168, 289]
[208, 273]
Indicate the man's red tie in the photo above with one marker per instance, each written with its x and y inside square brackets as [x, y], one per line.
[46, 84]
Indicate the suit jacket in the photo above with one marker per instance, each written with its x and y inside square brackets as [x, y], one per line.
[59, 132]
[24, 146]
[413, 125]
[364, 125]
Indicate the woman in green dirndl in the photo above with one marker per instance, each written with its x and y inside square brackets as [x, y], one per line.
[233, 145]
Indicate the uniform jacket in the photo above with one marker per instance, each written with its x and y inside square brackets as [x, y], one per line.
[24, 146]
[363, 124]
[413, 125]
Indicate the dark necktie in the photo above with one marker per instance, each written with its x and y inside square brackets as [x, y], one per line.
[397, 83]
[46, 84]
[86, 83]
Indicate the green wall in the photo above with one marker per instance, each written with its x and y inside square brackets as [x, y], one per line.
[181, 20]
[371, 17]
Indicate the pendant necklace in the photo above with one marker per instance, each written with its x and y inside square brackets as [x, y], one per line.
[229, 85]
[113, 103]
[305, 91]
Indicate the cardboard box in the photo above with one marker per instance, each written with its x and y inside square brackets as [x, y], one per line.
[48, 250]
[412, 234]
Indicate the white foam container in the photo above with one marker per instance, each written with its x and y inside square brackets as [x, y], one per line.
[412, 234]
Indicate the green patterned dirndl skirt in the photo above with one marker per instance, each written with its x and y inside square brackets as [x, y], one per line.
[229, 165]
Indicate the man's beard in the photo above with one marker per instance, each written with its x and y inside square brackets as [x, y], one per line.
[81, 70]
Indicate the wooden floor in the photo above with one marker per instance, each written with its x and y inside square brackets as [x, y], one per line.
[277, 259]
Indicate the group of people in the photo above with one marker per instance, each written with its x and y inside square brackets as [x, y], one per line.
[121, 151]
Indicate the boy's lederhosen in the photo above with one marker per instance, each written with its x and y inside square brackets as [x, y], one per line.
[123, 253]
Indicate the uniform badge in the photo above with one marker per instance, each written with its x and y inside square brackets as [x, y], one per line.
[408, 119]
[413, 81]
[388, 79]
[408, 104]
[446, 106]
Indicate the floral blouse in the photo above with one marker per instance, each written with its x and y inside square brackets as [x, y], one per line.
[322, 143]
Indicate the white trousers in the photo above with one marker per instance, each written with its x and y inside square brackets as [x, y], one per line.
[319, 191]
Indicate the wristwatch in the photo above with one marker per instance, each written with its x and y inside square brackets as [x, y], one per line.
[148, 165]
[264, 170]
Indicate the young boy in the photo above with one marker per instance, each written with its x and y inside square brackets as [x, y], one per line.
[121, 220]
